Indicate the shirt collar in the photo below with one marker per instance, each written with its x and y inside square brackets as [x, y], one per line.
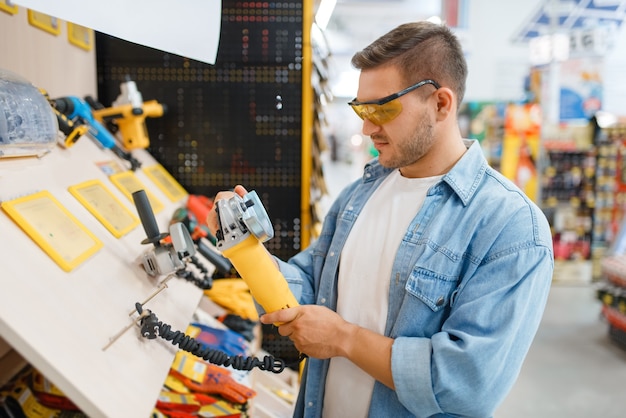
[463, 178]
[468, 172]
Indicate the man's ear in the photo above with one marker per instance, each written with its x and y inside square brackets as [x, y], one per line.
[446, 101]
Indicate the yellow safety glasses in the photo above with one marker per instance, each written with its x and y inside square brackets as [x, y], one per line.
[386, 109]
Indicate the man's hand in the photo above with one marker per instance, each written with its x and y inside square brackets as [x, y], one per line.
[321, 333]
[315, 330]
[211, 219]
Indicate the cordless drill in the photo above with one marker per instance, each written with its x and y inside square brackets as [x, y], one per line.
[243, 225]
[72, 131]
[128, 115]
[79, 112]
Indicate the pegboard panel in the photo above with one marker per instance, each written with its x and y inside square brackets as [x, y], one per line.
[236, 122]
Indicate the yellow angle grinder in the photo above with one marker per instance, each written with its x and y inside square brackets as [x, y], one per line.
[243, 226]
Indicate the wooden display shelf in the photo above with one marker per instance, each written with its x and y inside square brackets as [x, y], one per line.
[61, 321]
[10, 362]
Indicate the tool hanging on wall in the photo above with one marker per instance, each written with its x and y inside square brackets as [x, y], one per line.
[79, 112]
[127, 115]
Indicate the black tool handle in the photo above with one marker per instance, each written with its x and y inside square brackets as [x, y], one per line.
[144, 209]
[64, 105]
[93, 103]
[221, 263]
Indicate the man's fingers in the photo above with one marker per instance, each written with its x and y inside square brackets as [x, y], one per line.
[211, 219]
[279, 317]
[240, 190]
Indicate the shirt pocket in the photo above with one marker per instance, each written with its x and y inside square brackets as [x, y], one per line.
[434, 289]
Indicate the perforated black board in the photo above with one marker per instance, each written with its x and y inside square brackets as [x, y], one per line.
[235, 122]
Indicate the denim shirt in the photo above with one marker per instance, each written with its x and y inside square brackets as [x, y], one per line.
[468, 288]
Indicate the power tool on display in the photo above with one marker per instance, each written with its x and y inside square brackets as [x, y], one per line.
[79, 112]
[72, 131]
[243, 225]
[165, 257]
[127, 115]
[201, 236]
[199, 206]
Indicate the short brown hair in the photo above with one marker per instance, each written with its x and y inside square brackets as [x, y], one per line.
[420, 50]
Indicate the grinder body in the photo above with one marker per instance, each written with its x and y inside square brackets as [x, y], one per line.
[243, 226]
[256, 267]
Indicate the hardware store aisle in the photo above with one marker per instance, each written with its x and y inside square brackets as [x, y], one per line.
[573, 369]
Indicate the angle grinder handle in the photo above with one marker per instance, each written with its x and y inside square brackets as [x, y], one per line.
[144, 209]
[265, 281]
[220, 262]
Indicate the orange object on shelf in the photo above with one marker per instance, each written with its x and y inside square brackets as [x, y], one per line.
[217, 381]
[615, 318]
[200, 206]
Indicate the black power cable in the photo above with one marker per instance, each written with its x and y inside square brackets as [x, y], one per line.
[152, 328]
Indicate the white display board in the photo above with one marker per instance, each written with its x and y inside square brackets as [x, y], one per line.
[61, 321]
[188, 28]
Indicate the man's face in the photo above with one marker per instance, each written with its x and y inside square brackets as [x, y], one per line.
[403, 141]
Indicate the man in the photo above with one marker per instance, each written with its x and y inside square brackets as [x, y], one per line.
[427, 284]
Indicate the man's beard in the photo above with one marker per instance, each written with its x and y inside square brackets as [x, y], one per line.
[413, 149]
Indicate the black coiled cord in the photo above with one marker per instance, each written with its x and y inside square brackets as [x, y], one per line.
[151, 328]
[204, 283]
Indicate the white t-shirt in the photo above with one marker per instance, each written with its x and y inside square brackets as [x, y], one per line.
[363, 286]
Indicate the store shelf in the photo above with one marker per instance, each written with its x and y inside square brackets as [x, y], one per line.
[60, 322]
[276, 394]
[10, 362]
